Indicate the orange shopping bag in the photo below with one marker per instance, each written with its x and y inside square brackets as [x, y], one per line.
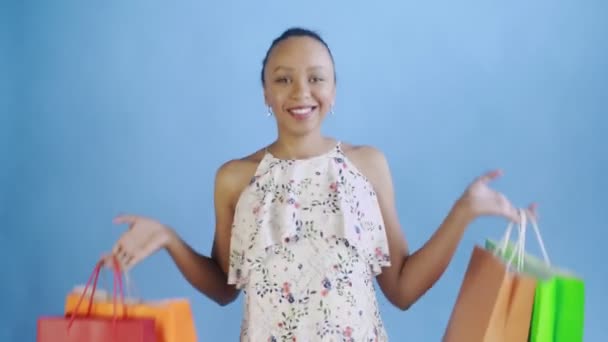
[496, 298]
[173, 317]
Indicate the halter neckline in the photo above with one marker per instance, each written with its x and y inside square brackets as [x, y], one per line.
[335, 148]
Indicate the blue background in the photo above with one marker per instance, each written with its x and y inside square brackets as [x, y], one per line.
[130, 106]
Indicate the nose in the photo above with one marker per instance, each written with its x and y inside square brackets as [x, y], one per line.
[300, 89]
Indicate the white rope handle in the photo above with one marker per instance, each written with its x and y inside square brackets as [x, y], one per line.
[504, 241]
[132, 293]
[519, 249]
[540, 240]
[520, 246]
[522, 240]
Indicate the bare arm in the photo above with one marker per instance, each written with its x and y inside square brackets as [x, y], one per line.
[414, 274]
[202, 272]
[209, 274]
[410, 276]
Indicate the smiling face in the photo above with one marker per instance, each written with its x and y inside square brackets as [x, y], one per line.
[299, 85]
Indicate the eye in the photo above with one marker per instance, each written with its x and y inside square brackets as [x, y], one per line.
[282, 80]
[315, 79]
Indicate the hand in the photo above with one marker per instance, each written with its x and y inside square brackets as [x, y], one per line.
[480, 200]
[144, 237]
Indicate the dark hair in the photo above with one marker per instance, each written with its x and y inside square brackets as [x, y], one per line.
[295, 32]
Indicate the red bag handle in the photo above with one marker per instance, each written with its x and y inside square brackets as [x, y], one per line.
[118, 281]
[94, 278]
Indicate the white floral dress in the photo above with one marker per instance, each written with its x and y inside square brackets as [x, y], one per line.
[307, 241]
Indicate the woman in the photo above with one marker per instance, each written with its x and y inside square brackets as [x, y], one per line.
[305, 224]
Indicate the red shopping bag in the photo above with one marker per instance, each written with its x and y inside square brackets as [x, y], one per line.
[88, 328]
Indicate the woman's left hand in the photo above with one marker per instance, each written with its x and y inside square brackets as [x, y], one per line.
[479, 199]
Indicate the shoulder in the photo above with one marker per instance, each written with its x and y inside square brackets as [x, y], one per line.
[238, 167]
[366, 154]
[370, 161]
[234, 174]
[365, 157]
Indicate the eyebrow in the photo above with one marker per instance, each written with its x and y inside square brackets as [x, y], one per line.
[288, 68]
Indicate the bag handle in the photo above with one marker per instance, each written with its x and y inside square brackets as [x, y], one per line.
[92, 278]
[117, 283]
[518, 250]
[521, 242]
[534, 225]
[541, 244]
[130, 291]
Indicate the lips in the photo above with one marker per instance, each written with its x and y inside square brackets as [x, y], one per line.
[302, 112]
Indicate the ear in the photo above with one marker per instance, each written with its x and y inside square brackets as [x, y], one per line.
[266, 100]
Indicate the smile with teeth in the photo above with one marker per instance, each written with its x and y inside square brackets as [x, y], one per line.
[301, 112]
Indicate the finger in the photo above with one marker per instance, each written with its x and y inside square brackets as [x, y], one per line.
[489, 176]
[128, 251]
[514, 214]
[530, 212]
[123, 258]
[124, 252]
[125, 219]
[106, 260]
[127, 263]
[144, 252]
[533, 210]
[506, 209]
[123, 243]
[117, 248]
[131, 262]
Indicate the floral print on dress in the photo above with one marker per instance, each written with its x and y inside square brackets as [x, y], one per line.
[307, 241]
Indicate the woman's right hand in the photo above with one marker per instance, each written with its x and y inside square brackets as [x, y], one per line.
[144, 237]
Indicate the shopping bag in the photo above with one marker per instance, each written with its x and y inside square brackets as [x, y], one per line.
[92, 329]
[559, 303]
[174, 320]
[89, 328]
[495, 301]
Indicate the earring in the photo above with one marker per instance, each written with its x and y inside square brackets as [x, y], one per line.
[269, 112]
[331, 110]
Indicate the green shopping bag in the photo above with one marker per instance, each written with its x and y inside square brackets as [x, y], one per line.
[559, 302]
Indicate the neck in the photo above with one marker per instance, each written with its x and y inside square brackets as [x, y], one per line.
[290, 147]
